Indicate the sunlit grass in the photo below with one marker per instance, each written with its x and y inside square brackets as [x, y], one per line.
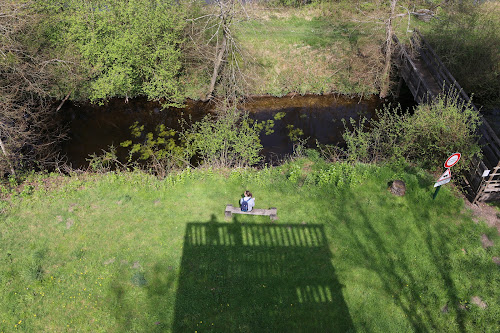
[112, 253]
[308, 50]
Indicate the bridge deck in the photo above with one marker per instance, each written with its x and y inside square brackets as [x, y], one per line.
[426, 75]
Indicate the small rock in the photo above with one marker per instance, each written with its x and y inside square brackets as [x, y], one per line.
[496, 260]
[479, 302]
[397, 187]
[136, 265]
[444, 309]
[69, 223]
[109, 261]
[486, 241]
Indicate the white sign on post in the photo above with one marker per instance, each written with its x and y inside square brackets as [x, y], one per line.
[452, 160]
[445, 178]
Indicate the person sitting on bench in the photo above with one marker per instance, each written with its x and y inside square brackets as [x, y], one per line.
[247, 202]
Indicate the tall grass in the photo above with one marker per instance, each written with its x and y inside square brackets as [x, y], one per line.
[127, 252]
[467, 38]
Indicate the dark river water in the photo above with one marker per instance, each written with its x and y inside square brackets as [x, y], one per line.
[94, 128]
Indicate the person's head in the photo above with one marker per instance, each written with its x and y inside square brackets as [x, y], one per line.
[248, 194]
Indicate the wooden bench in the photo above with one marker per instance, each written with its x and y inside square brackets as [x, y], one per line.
[271, 212]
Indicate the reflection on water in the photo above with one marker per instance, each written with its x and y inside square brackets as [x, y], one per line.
[94, 128]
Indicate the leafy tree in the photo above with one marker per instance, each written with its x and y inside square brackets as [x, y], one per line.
[161, 150]
[128, 47]
[230, 140]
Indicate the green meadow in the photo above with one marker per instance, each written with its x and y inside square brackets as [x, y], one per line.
[121, 252]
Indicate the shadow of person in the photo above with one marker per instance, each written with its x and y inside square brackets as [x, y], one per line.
[250, 277]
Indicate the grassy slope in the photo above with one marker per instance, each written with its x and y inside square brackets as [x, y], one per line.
[108, 253]
[318, 49]
[332, 47]
[469, 45]
[310, 50]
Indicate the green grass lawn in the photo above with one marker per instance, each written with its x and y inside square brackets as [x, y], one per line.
[127, 252]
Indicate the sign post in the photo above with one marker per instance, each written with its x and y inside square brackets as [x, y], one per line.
[436, 192]
[446, 176]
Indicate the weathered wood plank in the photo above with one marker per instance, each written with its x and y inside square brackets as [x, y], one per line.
[271, 212]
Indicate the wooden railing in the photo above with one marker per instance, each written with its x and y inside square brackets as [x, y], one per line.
[418, 87]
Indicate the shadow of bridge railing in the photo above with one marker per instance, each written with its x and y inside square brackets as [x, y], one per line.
[258, 278]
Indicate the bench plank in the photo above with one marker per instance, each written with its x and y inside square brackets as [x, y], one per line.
[271, 212]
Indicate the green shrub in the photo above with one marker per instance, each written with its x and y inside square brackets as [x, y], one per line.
[229, 140]
[426, 137]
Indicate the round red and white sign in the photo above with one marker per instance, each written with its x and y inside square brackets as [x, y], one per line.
[452, 160]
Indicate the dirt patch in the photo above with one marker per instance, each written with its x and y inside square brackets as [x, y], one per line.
[72, 207]
[486, 242]
[496, 260]
[308, 166]
[484, 212]
[109, 261]
[479, 302]
[69, 223]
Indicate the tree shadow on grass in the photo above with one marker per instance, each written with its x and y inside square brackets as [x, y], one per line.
[382, 245]
[245, 277]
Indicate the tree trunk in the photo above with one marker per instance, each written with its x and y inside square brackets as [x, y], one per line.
[218, 61]
[2, 146]
[386, 73]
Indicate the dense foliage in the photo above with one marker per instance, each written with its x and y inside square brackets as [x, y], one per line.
[29, 131]
[426, 136]
[227, 139]
[126, 47]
